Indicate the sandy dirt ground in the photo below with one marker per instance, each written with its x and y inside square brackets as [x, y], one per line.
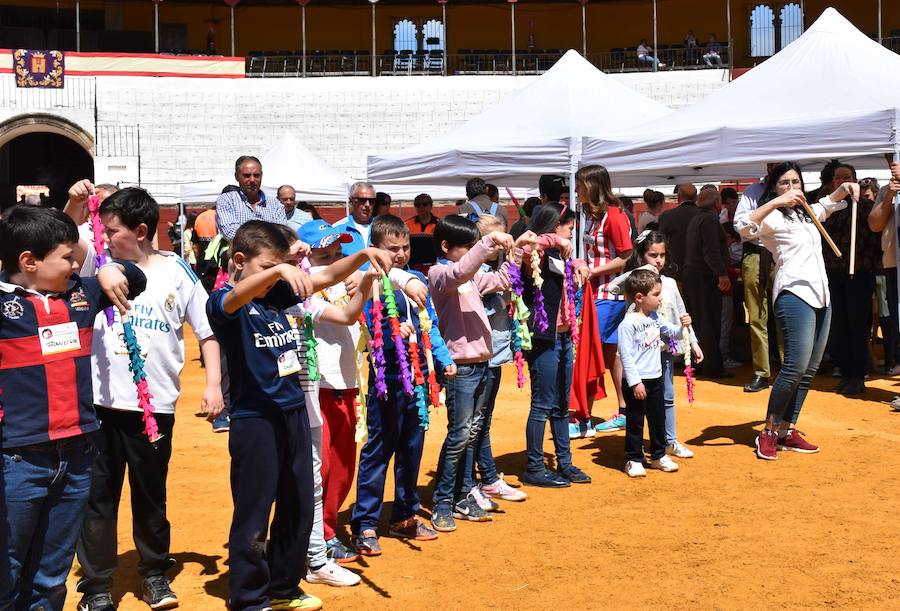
[726, 531]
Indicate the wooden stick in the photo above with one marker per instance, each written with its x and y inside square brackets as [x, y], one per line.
[854, 206]
[821, 229]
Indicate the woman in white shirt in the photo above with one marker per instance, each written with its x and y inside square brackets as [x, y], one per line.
[802, 304]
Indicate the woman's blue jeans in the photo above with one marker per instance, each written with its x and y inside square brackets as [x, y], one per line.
[550, 365]
[805, 332]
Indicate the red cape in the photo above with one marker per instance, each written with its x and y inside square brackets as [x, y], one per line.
[587, 378]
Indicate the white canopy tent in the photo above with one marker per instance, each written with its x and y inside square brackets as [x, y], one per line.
[289, 162]
[537, 130]
[832, 93]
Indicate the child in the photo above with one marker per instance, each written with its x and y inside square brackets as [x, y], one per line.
[393, 422]
[479, 452]
[550, 360]
[47, 409]
[650, 253]
[338, 388]
[174, 296]
[457, 283]
[639, 345]
[269, 443]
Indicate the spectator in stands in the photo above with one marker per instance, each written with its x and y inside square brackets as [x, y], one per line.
[691, 48]
[358, 224]
[705, 278]
[382, 204]
[881, 219]
[673, 223]
[654, 201]
[249, 202]
[730, 200]
[645, 54]
[479, 203]
[421, 229]
[851, 296]
[309, 209]
[757, 275]
[713, 53]
[287, 195]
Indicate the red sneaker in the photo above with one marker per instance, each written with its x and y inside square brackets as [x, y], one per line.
[793, 441]
[765, 445]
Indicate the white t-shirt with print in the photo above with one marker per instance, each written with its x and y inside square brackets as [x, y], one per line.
[173, 295]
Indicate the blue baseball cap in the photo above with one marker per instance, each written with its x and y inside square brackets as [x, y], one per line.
[319, 234]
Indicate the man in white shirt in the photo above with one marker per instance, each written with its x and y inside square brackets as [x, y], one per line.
[756, 273]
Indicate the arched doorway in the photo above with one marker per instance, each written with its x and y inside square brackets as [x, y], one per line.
[43, 150]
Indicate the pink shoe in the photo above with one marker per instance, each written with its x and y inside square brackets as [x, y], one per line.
[765, 445]
[793, 441]
[501, 490]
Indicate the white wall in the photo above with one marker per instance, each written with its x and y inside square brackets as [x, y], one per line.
[189, 129]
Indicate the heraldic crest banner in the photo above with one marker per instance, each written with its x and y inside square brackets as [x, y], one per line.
[36, 68]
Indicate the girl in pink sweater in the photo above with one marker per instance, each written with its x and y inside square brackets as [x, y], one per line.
[456, 285]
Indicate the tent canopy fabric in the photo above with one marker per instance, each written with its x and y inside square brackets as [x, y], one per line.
[289, 162]
[832, 93]
[527, 134]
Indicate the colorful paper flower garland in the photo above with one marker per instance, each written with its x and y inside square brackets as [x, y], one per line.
[135, 360]
[434, 389]
[521, 336]
[377, 345]
[688, 370]
[400, 346]
[540, 311]
[571, 314]
[310, 344]
[99, 245]
[364, 342]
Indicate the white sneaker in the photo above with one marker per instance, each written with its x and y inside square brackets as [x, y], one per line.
[500, 489]
[332, 574]
[484, 502]
[664, 464]
[634, 469]
[678, 450]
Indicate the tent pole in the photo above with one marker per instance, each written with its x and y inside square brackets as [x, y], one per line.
[373, 39]
[156, 27]
[574, 207]
[584, 30]
[232, 31]
[303, 34]
[512, 5]
[655, 49]
[77, 25]
[444, 28]
[730, 40]
[879, 22]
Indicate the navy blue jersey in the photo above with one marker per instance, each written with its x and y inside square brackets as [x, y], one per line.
[261, 350]
[45, 358]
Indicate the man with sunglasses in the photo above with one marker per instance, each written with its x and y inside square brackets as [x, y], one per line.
[358, 223]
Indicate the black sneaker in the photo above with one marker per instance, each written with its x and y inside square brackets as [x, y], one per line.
[468, 509]
[158, 593]
[96, 602]
[545, 479]
[340, 553]
[574, 475]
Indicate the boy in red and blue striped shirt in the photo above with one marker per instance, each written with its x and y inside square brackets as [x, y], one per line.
[46, 323]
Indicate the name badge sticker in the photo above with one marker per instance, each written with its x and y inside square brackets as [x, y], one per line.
[288, 363]
[59, 338]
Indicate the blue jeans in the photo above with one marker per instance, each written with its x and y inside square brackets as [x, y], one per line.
[550, 366]
[45, 489]
[394, 432]
[805, 331]
[668, 379]
[480, 453]
[648, 59]
[466, 399]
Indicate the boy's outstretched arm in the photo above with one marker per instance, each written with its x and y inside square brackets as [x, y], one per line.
[349, 314]
[381, 260]
[248, 289]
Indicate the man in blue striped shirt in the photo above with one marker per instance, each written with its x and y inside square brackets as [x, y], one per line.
[250, 203]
